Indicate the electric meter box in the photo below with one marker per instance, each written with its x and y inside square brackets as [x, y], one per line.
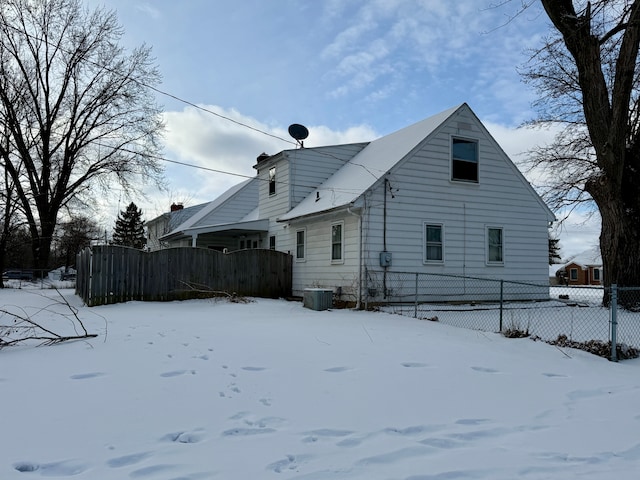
[385, 259]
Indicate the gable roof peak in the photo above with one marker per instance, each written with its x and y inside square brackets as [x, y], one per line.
[369, 165]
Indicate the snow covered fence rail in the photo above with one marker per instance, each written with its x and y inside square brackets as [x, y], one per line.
[567, 315]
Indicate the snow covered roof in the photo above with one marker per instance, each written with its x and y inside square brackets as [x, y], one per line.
[588, 258]
[367, 167]
[189, 222]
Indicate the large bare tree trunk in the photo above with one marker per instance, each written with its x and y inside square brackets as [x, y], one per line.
[78, 112]
[609, 113]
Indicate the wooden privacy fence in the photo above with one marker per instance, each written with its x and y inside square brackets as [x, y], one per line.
[110, 274]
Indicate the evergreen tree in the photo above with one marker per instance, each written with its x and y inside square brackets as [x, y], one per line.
[554, 250]
[74, 235]
[129, 230]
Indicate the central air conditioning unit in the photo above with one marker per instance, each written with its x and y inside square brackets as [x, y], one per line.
[317, 298]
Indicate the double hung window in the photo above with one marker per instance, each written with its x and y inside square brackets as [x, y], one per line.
[464, 160]
[434, 243]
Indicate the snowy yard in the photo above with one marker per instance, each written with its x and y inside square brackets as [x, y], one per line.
[204, 390]
[581, 317]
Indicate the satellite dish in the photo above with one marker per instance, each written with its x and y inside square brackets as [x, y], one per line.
[299, 133]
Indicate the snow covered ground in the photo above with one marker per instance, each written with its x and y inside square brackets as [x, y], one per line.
[269, 390]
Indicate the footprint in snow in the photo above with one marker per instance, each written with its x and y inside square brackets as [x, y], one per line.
[413, 430]
[472, 421]
[485, 370]
[396, 456]
[127, 460]
[83, 376]
[195, 436]
[290, 462]
[246, 432]
[414, 365]
[314, 435]
[337, 369]
[151, 470]
[54, 469]
[176, 373]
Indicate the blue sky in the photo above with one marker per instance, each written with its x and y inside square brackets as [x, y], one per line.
[350, 70]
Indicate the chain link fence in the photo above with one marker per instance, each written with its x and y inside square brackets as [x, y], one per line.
[606, 322]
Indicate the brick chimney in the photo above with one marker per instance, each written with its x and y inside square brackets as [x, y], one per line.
[262, 157]
[176, 206]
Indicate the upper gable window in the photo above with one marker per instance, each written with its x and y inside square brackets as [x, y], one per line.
[464, 160]
[272, 181]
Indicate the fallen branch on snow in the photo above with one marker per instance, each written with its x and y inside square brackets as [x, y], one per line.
[23, 328]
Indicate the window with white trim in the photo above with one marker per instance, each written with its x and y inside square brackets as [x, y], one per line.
[596, 274]
[272, 181]
[495, 245]
[573, 274]
[272, 242]
[433, 243]
[337, 243]
[464, 160]
[300, 244]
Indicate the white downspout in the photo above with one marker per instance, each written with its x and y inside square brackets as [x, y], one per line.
[358, 303]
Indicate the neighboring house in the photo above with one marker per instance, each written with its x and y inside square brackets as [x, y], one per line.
[439, 196]
[583, 269]
[197, 225]
[163, 224]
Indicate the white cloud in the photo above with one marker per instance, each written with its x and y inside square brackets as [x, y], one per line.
[149, 10]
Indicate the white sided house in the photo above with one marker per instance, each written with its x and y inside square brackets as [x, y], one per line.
[438, 197]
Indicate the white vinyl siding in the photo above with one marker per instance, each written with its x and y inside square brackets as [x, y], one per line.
[312, 166]
[317, 269]
[422, 187]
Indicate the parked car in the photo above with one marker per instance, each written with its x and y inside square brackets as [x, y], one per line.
[17, 275]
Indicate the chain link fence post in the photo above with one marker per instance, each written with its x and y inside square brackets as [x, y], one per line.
[415, 306]
[614, 322]
[501, 302]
